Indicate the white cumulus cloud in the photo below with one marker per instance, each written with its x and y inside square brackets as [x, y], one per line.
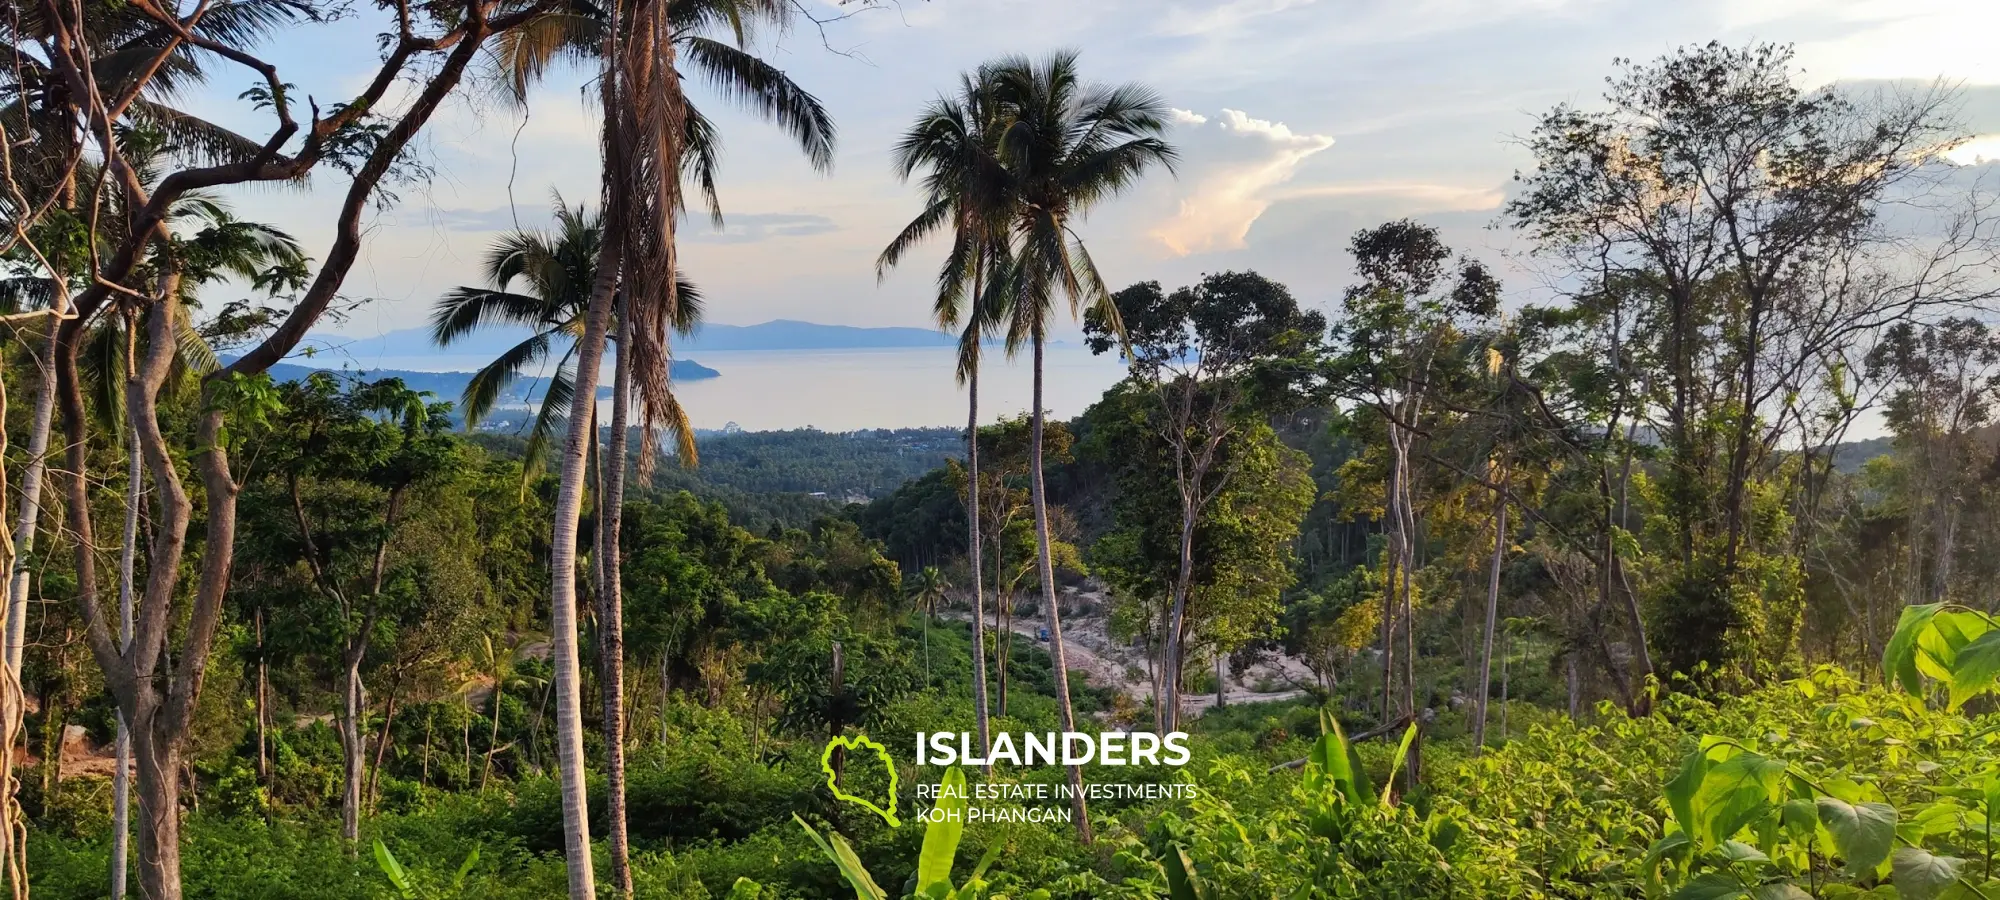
[1236, 164]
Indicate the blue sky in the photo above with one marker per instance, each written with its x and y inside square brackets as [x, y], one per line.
[1299, 121]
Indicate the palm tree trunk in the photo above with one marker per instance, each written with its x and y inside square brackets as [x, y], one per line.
[979, 712]
[611, 611]
[1492, 619]
[121, 774]
[562, 572]
[1041, 501]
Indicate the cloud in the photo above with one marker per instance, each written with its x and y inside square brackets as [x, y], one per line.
[498, 218]
[738, 228]
[1977, 151]
[1413, 197]
[1245, 159]
[746, 228]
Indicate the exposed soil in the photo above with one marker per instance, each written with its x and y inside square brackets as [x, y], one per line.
[1112, 664]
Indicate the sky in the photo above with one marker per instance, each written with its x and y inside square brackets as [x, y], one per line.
[1298, 122]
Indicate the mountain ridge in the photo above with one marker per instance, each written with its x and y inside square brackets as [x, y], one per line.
[776, 334]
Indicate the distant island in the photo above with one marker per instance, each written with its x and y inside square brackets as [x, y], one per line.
[778, 334]
[451, 385]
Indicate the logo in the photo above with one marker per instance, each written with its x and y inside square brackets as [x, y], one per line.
[882, 753]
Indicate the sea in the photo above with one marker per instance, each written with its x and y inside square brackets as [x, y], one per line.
[851, 390]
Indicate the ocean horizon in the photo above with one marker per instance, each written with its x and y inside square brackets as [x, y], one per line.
[835, 389]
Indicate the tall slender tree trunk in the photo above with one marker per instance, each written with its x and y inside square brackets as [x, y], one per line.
[562, 572]
[263, 715]
[121, 773]
[1574, 681]
[611, 611]
[979, 711]
[1221, 678]
[1003, 643]
[382, 739]
[1390, 607]
[31, 507]
[1041, 501]
[354, 706]
[1492, 620]
[1506, 656]
[1177, 620]
[493, 730]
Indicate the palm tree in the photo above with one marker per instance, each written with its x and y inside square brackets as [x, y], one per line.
[579, 31]
[930, 587]
[1066, 145]
[965, 188]
[539, 281]
[652, 139]
[497, 661]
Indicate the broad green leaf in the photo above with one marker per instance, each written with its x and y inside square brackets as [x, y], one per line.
[1922, 875]
[1734, 852]
[985, 862]
[1943, 817]
[1694, 770]
[835, 847]
[1899, 659]
[1710, 886]
[1183, 882]
[1977, 666]
[1396, 764]
[1800, 817]
[394, 870]
[1674, 844]
[1949, 633]
[1781, 890]
[465, 868]
[1863, 833]
[1735, 793]
[942, 832]
[744, 889]
[1335, 757]
[1445, 832]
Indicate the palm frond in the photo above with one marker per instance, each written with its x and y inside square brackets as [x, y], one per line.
[522, 55]
[193, 138]
[463, 310]
[555, 410]
[701, 158]
[934, 216]
[749, 81]
[484, 389]
[103, 370]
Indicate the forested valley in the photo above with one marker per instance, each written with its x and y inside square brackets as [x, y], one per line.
[1659, 562]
